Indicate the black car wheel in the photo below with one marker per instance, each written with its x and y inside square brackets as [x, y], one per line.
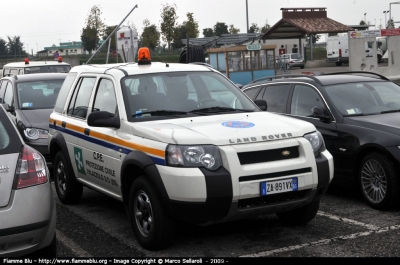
[300, 215]
[338, 64]
[69, 190]
[378, 182]
[151, 224]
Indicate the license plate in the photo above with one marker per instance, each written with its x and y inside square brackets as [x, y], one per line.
[279, 186]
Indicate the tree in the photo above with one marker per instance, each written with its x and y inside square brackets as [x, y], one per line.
[233, 30]
[390, 24]
[265, 27]
[3, 48]
[15, 46]
[220, 28]
[254, 28]
[362, 22]
[315, 38]
[88, 39]
[192, 26]
[180, 34]
[168, 23]
[208, 32]
[107, 31]
[150, 36]
[93, 29]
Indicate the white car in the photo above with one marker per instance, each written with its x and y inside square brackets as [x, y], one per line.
[165, 140]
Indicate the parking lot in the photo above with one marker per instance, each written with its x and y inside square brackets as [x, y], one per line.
[344, 227]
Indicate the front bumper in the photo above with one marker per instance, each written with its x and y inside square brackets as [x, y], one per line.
[28, 222]
[205, 197]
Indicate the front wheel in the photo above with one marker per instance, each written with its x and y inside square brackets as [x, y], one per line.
[69, 190]
[300, 215]
[153, 228]
[378, 182]
[338, 64]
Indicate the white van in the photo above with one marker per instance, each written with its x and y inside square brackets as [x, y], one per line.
[28, 67]
[337, 50]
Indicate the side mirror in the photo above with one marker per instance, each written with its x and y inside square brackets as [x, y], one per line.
[261, 103]
[320, 113]
[7, 107]
[103, 119]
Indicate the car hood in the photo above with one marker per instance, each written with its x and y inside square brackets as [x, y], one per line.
[227, 129]
[388, 123]
[36, 118]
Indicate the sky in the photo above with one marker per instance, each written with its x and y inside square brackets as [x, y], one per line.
[42, 23]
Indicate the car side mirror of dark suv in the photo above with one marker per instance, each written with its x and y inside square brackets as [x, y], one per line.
[261, 103]
[320, 113]
[103, 119]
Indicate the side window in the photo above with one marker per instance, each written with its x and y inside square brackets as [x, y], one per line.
[21, 71]
[62, 95]
[2, 89]
[8, 96]
[79, 103]
[252, 92]
[105, 97]
[303, 100]
[14, 71]
[276, 97]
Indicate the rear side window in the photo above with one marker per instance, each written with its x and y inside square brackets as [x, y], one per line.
[276, 97]
[105, 97]
[79, 103]
[10, 141]
[66, 87]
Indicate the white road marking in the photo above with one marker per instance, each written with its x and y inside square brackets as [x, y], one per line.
[372, 229]
[78, 252]
[324, 241]
[348, 221]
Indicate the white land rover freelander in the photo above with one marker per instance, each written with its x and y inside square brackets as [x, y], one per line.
[166, 140]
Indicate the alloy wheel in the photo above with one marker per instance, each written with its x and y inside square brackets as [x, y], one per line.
[143, 214]
[373, 181]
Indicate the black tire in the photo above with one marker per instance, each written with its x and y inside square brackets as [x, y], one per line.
[48, 252]
[338, 64]
[154, 229]
[300, 215]
[378, 182]
[301, 67]
[69, 190]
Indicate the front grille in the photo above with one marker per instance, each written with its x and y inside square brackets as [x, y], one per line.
[268, 155]
[273, 198]
[275, 174]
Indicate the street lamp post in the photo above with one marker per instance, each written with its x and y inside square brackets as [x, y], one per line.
[365, 18]
[247, 17]
[390, 10]
[386, 23]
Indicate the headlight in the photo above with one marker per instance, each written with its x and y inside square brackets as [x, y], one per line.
[34, 134]
[317, 142]
[194, 156]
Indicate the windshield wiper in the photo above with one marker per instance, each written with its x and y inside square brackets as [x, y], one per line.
[160, 113]
[219, 109]
[390, 111]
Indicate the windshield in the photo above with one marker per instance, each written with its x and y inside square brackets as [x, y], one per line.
[296, 56]
[182, 92]
[38, 94]
[365, 98]
[48, 69]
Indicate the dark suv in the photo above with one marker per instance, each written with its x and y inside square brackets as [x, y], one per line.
[358, 114]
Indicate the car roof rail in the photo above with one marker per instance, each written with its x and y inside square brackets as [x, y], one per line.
[358, 72]
[269, 78]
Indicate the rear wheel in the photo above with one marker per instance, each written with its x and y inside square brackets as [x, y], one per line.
[338, 63]
[153, 227]
[378, 182]
[300, 215]
[69, 190]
